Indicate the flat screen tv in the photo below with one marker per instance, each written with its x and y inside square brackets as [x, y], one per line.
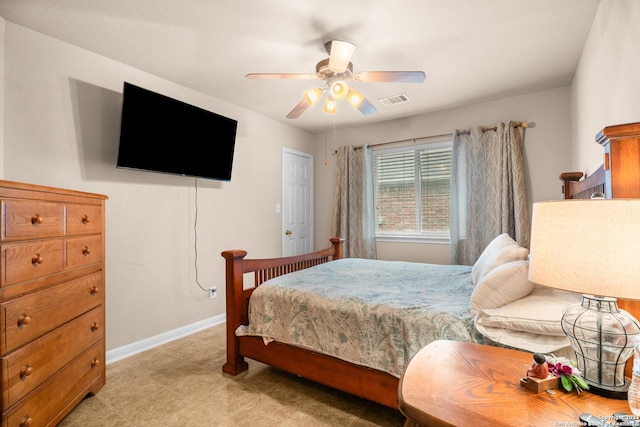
[162, 134]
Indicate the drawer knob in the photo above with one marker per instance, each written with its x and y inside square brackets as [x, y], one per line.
[24, 320]
[25, 372]
[94, 290]
[86, 251]
[85, 219]
[95, 363]
[36, 219]
[94, 327]
[37, 259]
[26, 421]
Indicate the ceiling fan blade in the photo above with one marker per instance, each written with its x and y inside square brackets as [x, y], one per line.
[340, 53]
[390, 76]
[366, 107]
[298, 109]
[274, 76]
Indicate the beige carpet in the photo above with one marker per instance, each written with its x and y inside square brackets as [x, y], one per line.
[181, 384]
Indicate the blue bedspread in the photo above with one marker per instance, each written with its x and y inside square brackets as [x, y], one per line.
[369, 312]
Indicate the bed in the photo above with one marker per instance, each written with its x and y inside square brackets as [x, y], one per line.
[354, 324]
[500, 324]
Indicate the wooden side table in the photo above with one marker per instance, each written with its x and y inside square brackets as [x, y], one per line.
[450, 383]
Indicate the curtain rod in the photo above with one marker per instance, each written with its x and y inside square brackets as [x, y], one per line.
[442, 135]
[413, 140]
[459, 132]
[487, 129]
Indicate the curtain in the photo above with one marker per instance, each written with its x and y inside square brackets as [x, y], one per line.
[488, 194]
[353, 216]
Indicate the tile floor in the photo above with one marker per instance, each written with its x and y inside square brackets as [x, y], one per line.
[181, 384]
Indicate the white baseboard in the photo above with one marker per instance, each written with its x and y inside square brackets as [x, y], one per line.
[149, 343]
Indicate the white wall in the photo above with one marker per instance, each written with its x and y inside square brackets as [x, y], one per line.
[61, 128]
[606, 87]
[547, 154]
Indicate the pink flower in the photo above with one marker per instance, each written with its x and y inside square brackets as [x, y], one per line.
[571, 377]
[558, 369]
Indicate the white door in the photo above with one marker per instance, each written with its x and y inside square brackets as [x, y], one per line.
[297, 202]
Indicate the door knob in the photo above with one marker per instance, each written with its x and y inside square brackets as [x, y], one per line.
[288, 232]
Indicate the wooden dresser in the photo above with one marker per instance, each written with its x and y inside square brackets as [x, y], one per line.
[52, 316]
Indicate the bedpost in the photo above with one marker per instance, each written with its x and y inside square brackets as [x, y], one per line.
[338, 245]
[236, 309]
[567, 178]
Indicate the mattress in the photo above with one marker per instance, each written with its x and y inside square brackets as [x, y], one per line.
[368, 312]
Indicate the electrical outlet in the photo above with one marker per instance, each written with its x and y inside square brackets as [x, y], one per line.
[213, 292]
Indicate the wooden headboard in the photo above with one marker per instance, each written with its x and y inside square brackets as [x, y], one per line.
[618, 177]
[574, 187]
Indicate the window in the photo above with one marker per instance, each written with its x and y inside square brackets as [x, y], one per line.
[412, 187]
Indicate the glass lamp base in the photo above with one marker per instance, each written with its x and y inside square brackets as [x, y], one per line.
[603, 338]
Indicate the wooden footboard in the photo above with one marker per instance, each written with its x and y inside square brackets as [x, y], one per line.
[365, 382]
[263, 269]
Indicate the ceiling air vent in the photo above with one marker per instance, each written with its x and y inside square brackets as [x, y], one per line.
[394, 100]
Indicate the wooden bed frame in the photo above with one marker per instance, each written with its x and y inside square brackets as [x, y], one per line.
[622, 150]
[367, 383]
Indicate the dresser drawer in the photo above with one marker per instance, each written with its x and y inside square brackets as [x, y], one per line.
[25, 318]
[83, 250]
[84, 219]
[46, 405]
[25, 261]
[29, 366]
[24, 219]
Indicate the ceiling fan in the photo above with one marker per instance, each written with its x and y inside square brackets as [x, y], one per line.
[335, 71]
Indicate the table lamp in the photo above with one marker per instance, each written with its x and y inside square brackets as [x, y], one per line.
[592, 247]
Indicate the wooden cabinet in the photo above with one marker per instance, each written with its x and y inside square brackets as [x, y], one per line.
[52, 317]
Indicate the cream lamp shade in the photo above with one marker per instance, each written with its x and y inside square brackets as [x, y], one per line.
[587, 246]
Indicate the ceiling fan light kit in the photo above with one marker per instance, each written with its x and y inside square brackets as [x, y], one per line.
[354, 97]
[339, 90]
[340, 53]
[335, 71]
[330, 106]
[313, 95]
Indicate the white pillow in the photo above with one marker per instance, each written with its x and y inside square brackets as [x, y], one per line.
[501, 250]
[503, 285]
[539, 312]
[526, 341]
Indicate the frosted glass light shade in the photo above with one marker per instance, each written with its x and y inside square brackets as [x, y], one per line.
[339, 90]
[340, 55]
[330, 106]
[312, 95]
[354, 97]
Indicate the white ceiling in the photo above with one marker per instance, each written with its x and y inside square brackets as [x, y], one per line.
[470, 50]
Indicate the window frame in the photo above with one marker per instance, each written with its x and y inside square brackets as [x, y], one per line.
[397, 237]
